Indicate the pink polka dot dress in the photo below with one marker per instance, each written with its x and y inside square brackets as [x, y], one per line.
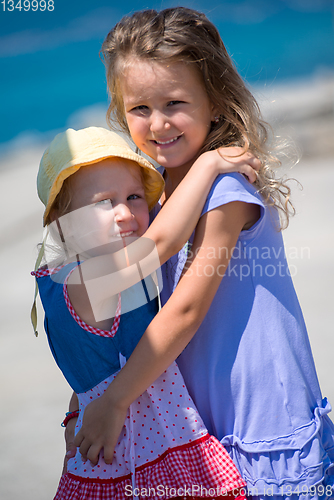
[164, 447]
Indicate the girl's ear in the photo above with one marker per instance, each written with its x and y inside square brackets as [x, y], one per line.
[214, 114]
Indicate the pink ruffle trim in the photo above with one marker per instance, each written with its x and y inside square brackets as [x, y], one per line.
[201, 469]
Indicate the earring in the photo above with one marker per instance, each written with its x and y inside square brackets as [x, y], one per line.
[217, 118]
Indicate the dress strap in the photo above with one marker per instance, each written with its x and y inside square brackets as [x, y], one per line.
[92, 329]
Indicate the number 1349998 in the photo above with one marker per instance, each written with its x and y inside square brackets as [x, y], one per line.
[26, 5]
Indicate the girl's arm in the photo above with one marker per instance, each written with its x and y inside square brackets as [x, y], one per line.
[174, 225]
[168, 233]
[170, 331]
[69, 432]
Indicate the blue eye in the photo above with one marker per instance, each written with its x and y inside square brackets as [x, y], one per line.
[134, 196]
[103, 202]
[173, 103]
[142, 109]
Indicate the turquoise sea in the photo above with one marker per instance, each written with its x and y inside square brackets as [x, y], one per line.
[50, 69]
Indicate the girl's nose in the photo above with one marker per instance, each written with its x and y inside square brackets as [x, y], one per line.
[122, 213]
[159, 122]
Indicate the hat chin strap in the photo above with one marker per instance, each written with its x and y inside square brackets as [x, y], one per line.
[33, 313]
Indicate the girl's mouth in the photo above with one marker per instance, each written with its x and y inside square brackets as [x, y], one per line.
[122, 234]
[125, 233]
[169, 141]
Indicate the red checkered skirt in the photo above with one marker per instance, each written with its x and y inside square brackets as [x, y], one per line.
[164, 451]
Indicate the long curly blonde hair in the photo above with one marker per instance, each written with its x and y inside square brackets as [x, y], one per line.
[184, 35]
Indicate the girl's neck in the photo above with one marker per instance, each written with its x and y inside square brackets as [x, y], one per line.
[173, 177]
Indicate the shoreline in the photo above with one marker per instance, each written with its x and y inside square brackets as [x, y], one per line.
[298, 109]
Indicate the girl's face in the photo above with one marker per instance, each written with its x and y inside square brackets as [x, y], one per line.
[108, 203]
[168, 111]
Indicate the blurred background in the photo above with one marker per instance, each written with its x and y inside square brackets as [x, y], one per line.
[51, 79]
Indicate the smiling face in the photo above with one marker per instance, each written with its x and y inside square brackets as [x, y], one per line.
[168, 111]
[107, 202]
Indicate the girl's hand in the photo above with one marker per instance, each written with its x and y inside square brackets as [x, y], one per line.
[69, 440]
[232, 159]
[101, 427]
[70, 432]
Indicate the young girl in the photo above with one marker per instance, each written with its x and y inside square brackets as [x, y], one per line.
[249, 368]
[97, 194]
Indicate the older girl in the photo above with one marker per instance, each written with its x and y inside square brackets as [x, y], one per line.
[249, 368]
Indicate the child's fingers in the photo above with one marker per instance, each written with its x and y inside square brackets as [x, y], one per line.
[251, 169]
[78, 439]
[69, 437]
[108, 453]
[236, 154]
[69, 440]
[93, 454]
[70, 453]
[233, 153]
[82, 443]
[88, 450]
[84, 449]
[249, 172]
[244, 163]
[255, 163]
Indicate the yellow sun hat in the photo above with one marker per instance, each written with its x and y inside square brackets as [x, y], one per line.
[73, 149]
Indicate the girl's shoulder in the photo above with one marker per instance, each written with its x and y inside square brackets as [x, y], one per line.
[51, 282]
[231, 187]
[235, 187]
[57, 274]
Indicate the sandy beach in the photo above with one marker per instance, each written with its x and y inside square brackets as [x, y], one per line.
[34, 395]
